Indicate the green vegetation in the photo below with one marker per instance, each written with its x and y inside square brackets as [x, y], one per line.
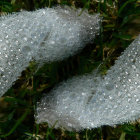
[121, 25]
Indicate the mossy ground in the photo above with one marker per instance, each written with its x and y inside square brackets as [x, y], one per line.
[121, 25]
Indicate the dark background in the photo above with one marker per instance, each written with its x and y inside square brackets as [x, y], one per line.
[121, 25]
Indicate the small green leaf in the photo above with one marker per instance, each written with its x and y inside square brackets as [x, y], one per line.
[16, 124]
[13, 2]
[122, 137]
[124, 5]
[109, 26]
[123, 36]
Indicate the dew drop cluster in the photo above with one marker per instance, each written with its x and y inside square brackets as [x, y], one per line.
[44, 35]
[91, 100]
